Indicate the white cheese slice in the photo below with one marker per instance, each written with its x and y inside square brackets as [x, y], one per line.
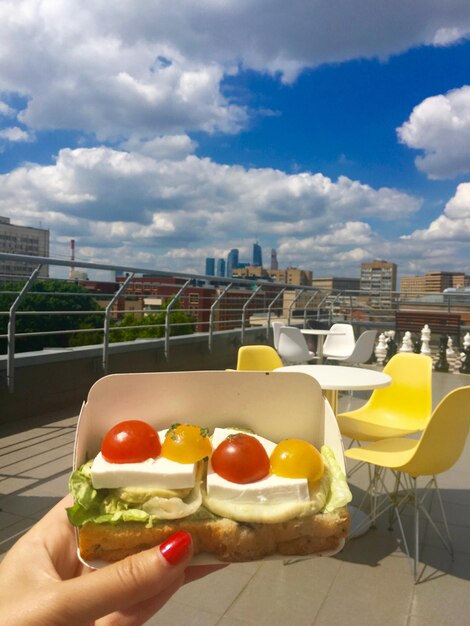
[269, 490]
[159, 473]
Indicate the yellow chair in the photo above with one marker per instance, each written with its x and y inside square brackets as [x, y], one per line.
[402, 408]
[259, 358]
[436, 451]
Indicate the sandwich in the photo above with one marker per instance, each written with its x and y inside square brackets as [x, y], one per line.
[241, 496]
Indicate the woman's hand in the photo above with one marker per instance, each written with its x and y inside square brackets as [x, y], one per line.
[43, 583]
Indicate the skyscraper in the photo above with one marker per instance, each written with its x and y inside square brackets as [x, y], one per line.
[274, 263]
[232, 261]
[210, 266]
[220, 267]
[257, 255]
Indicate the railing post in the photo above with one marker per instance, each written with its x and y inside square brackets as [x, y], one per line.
[107, 322]
[268, 321]
[253, 295]
[167, 318]
[296, 297]
[306, 307]
[211, 315]
[12, 328]
[321, 304]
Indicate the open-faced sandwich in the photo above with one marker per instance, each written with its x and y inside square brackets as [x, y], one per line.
[241, 496]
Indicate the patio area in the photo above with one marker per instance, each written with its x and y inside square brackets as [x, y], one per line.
[368, 583]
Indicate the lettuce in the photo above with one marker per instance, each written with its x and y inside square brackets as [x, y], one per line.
[339, 494]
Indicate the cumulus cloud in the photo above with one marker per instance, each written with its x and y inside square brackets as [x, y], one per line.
[14, 134]
[440, 126]
[132, 72]
[453, 225]
[109, 197]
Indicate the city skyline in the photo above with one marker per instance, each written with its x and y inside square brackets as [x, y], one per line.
[334, 133]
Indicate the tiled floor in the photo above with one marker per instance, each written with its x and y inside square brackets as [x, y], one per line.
[368, 583]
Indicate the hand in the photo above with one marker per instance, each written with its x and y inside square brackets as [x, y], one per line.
[43, 583]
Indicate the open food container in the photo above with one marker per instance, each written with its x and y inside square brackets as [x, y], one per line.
[274, 405]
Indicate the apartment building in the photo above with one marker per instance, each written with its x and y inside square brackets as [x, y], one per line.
[22, 240]
[378, 281]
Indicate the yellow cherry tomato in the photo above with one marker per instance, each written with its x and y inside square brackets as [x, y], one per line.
[295, 458]
[185, 443]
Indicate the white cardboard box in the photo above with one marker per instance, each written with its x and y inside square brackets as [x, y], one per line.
[275, 405]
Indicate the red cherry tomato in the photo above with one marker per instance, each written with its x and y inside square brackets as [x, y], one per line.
[132, 441]
[241, 459]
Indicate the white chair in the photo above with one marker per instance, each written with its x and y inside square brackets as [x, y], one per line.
[292, 347]
[362, 350]
[276, 330]
[339, 346]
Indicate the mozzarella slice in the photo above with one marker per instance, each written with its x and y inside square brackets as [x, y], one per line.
[271, 489]
[159, 473]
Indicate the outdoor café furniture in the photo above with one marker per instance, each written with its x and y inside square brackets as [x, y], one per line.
[362, 350]
[436, 451]
[340, 342]
[259, 358]
[334, 378]
[321, 333]
[400, 409]
[292, 347]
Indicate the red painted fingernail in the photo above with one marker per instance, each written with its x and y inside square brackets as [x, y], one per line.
[176, 547]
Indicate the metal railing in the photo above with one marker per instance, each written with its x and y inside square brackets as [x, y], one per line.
[214, 304]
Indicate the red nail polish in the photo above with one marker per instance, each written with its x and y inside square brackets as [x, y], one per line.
[176, 547]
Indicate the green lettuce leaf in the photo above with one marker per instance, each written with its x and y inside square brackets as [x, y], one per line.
[339, 494]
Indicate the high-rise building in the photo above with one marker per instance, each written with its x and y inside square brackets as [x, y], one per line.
[210, 266]
[257, 255]
[379, 281]
[22, 240]
[274, 262]
[220, 267]
[232, 261]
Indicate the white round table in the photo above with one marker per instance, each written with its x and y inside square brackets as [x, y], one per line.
[333, 378]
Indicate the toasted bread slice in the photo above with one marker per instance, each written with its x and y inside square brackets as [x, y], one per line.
[225, 539]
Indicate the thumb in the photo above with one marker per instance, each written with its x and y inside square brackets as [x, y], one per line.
[128, 582]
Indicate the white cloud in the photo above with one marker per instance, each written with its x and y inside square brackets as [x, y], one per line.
[112, 198]
[440, 126]
[16, 134]
[6, 110]
[124, 71]
[453, 225]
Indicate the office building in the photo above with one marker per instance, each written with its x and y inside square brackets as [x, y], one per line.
[274, 263]
[220, 267]
[337, 283]
[210, 266]
[434, 282]
[379, 281]
[292, 276]
[257, 255]
[22, 240]
[232, 261]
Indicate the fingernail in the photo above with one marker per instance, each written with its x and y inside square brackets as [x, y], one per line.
[176, 547]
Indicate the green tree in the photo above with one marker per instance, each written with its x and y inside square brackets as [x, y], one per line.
[50, 295]
[152, 325]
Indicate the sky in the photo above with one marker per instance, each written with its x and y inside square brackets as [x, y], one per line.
[158, 133]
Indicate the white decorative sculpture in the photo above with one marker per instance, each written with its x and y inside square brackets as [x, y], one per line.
[425, 340]
[381, 349]
[466, 340]
[407, 343]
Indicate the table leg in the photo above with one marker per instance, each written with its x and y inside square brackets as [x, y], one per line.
[320, 339]
[332, 396]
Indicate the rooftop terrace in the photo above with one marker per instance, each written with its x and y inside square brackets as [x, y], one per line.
[368, 583]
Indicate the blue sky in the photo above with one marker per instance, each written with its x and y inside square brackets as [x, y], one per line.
[334, 132]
